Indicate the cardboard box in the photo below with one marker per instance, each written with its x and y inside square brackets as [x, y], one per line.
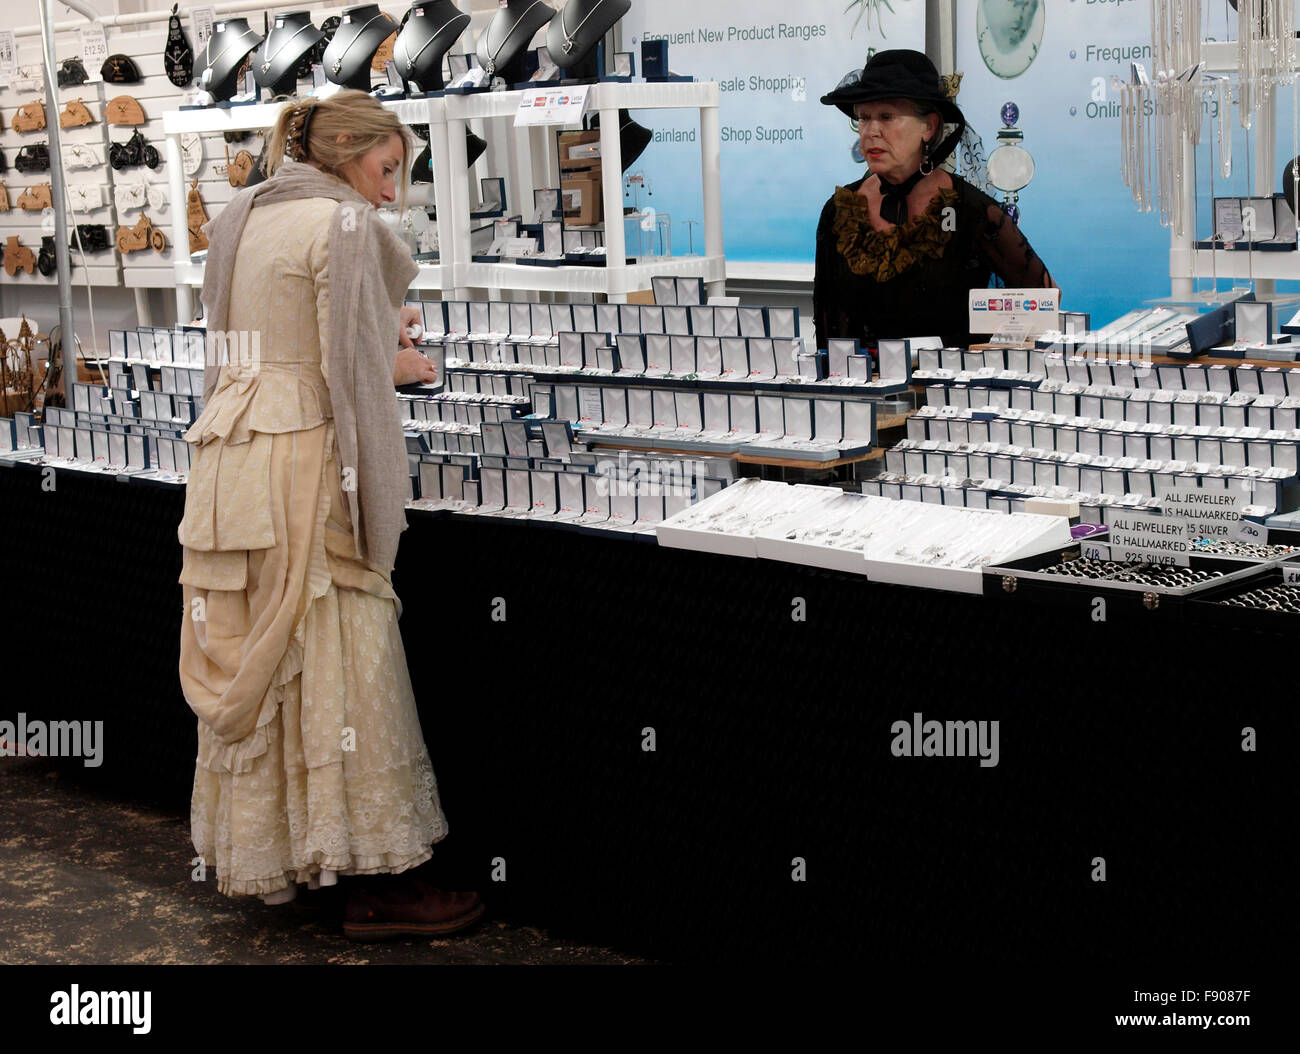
[581, 200]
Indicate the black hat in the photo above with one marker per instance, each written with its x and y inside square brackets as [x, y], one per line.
[900, 74]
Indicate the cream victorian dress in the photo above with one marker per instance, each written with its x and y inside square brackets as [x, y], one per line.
[279, 611]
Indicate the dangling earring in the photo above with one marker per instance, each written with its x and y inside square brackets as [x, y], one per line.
[925, 160]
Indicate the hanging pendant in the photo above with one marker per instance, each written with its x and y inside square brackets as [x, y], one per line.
[568, 45]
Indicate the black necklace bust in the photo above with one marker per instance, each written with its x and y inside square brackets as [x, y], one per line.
[276, 63]
[232, 41]
[428, 33]
[502, 45]
[347, 59]
[573, 34]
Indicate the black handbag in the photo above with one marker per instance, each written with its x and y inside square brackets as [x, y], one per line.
[71, 73]
[119, 69]
[178, 56]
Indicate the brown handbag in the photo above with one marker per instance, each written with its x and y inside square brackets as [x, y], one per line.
[30, 117]
[123, 109]
[75, 115]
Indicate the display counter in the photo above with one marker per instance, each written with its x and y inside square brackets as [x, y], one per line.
[773, 816]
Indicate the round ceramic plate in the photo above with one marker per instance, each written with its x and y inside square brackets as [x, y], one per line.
[1010, 33]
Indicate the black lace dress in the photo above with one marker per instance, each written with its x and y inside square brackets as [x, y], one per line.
[912, 280]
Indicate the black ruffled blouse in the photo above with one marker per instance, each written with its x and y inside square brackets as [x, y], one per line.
[913, 279]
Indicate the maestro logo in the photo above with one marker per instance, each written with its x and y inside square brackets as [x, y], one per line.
[1031, 305]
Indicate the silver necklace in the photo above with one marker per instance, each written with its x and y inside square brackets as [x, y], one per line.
[410, 60]
[338, 62]
[492, 59]
[207, 51]
[271, 58]
[569, 37]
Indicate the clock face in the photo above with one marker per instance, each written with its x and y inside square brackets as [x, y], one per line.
[191, 152]
[1010, 167]
[1010, 33]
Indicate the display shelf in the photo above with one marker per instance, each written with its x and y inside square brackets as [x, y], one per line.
[614, 280]
[617, 278]
[1226, 263]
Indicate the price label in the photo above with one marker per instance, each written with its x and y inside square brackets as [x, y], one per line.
[202, 20]
[8, 56]
[1291, 575]
[94, 48]
[541, 106]
[1249, 531]
[1094, 551]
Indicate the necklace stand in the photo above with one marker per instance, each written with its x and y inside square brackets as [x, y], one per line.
[291, 37]
[573, 34]
[503, 45]
[354, 45]
[231, 43]
[427, 36]
[632, 137]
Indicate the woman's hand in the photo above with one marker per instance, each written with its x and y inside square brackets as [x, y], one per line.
[410, 316]
[413, 368]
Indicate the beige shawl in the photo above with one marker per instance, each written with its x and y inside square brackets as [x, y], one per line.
[370, 270]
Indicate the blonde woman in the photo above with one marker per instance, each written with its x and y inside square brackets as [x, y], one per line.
[311, 763]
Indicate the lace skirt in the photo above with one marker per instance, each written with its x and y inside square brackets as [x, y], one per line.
[372, 808]
[330, 774]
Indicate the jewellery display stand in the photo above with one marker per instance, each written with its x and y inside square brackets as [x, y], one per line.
[577, 28]
[449, 117]
[524, 171]
[292, 36]
[232, 41]
[502, 44]
[428, 35]
[347, 59]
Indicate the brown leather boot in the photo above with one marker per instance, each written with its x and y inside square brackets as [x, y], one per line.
[408, 908]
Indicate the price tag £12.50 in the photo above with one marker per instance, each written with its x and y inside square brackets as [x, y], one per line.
[94, 47]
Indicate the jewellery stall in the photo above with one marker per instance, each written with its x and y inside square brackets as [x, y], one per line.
[589, 458]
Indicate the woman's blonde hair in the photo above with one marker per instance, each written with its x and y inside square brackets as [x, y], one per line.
[308, 130]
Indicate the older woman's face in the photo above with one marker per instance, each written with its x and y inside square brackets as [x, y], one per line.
[374, 174]
[891, 136]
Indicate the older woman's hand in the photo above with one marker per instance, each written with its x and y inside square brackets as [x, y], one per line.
[413, 368]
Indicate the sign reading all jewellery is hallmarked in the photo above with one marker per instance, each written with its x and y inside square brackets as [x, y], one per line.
[1149, 537]
[1015, 312]
[1213, 514]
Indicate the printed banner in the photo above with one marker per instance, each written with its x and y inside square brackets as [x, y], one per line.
[783, 152]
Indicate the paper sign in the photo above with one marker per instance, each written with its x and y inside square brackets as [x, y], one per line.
[201, 21]
[8, 56]
[1094, 551]
[1212, 514]
[552, 105]
[1291, 575]
[94, 48]
[1018, 312]
[1145, 536]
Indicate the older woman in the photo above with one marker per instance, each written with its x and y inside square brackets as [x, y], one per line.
[899, 250]
[311, 763]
